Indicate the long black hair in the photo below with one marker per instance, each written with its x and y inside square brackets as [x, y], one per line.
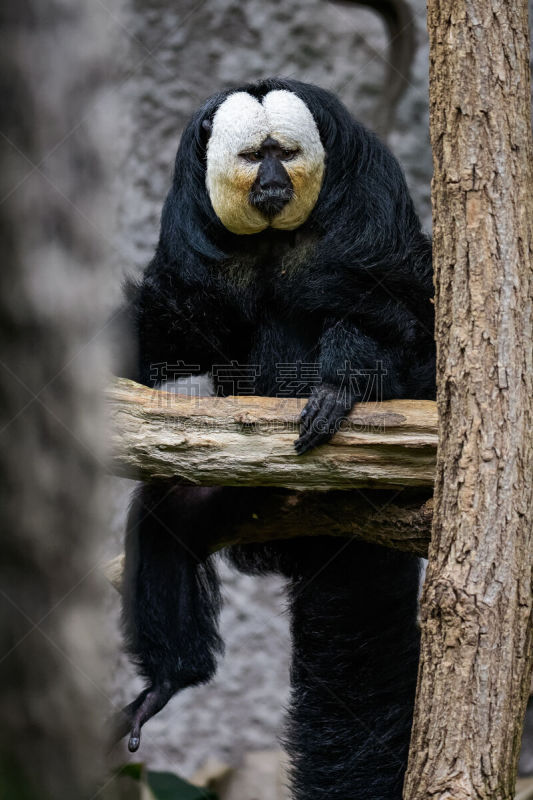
[364, 222]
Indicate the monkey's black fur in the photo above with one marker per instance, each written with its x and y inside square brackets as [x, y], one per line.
[349, 289]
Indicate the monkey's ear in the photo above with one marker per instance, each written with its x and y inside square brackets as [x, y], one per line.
[207, 125]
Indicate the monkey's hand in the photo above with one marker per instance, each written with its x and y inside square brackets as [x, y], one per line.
[323, 415]
[133, 716]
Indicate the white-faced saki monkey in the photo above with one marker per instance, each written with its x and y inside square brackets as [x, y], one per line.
[288, 240]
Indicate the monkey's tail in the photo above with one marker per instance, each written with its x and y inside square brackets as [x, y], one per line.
[399, 20]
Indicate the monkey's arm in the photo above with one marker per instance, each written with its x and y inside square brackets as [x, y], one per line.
[174, 326]
[354, 368]
[170, 596]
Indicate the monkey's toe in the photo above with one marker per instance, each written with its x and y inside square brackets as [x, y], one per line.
[144, 707]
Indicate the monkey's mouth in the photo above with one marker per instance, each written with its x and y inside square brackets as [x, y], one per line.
[270, 201]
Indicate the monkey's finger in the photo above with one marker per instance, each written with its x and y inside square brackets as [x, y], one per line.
[155, 699]
[121, 722]
[319, 421]
[310, 411]
[324, 426]
[317, 434]
[135, 738]
[310, 440]
[320, 404]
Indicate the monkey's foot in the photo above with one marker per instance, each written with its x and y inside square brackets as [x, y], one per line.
[321, 418]
[133, 716]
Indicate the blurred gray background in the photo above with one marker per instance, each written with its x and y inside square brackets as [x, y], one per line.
[96, 95]
[94, 98]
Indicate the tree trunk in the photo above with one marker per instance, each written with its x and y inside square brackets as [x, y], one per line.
[54, 516]
[476, 610]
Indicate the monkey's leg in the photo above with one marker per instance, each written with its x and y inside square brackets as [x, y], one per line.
[356, 644]
[171, 596]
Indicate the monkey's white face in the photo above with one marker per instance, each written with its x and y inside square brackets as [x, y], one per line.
[239, 162]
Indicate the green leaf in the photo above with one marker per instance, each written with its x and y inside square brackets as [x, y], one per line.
[166, 786]
[134, 771]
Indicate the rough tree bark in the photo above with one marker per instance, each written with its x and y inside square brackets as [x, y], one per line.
[476, 610]
[247, 441]
[401, 520]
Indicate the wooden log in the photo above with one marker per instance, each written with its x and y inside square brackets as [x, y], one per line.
[247, 441]
[401, 520]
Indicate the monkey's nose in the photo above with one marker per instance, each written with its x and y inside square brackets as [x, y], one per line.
[272, 188]
[272, 175]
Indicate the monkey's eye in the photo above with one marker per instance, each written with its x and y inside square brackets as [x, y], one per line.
[287, 155]
[252, 156]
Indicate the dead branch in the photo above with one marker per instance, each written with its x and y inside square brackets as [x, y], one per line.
[247, 441]
[401, 520]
